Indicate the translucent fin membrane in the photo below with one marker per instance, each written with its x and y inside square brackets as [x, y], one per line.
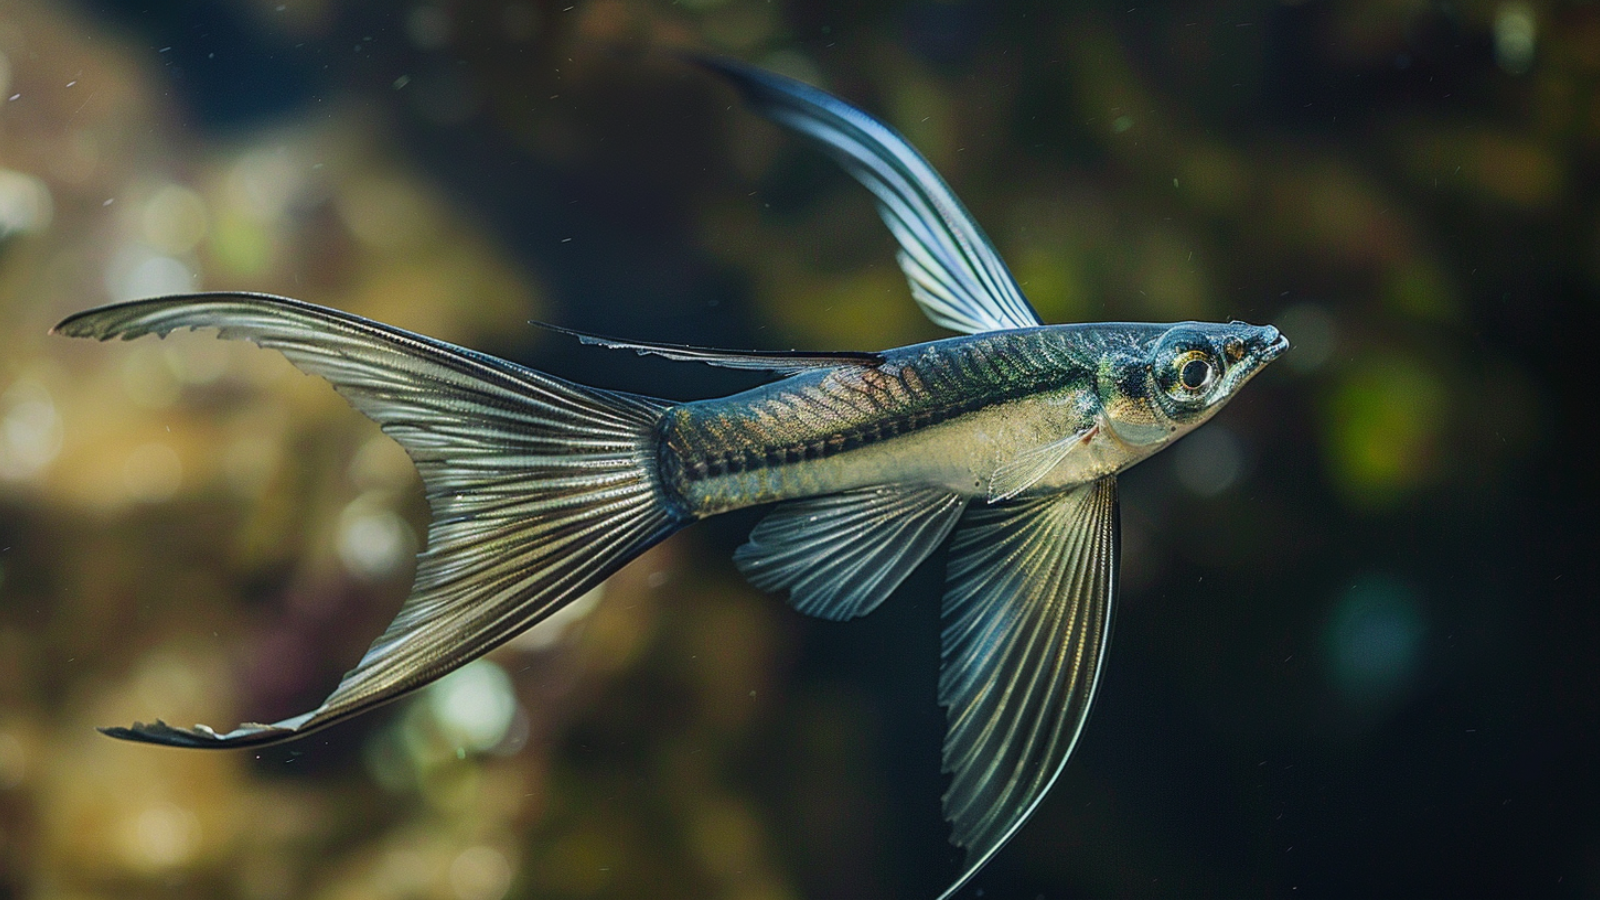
[955, 274]
[1027, 611]
[840, 556]
[539, 488]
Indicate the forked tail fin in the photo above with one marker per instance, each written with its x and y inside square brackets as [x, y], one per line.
[540, 488]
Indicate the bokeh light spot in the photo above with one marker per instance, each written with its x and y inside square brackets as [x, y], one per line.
[240, 245]
[162, 836]
[30, 431]
[25, 204]
[480, 873]
[174, 219]
[1383, 426]
[1373, 640]
[474, 705]
[166, 682]
[1208, 461]
[263, 182]
[137, 272]
[1516, 34]
[373, 540]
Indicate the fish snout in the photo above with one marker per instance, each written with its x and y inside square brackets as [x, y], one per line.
[1271, 343]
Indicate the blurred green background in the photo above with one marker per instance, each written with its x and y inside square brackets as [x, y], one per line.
[1356, 653]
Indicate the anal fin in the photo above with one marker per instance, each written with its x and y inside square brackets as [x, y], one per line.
[840, 555]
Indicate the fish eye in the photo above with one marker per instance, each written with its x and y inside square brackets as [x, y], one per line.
[1195, 371]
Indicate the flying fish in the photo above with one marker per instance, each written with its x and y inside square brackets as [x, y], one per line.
[1004, 442]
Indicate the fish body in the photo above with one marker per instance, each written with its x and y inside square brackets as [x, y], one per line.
[1003, 444]
[943, 414]
[949, 414]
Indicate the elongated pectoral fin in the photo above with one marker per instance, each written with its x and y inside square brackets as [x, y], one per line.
[1027, 611]
[1026, 470]
[956, 276]
[539, 488]
[841, 555]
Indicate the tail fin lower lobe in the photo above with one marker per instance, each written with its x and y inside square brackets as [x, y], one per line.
[540, 488]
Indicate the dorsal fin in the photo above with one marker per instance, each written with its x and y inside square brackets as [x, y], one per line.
[786, 362]
[956, 276]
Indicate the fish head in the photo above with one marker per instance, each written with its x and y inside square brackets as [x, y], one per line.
[1157, 389]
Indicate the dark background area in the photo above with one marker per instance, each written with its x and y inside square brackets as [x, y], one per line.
[1356, 654]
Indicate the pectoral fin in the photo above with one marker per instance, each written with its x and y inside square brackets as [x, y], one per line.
[1017, 475]
[1027, 610]
[839, 556]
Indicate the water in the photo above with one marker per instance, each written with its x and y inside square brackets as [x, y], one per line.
[1357, 658]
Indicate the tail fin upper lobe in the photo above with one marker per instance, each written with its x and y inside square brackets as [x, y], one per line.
[539, 488]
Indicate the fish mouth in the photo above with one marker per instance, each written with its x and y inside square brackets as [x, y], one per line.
[1275, 344]
[1266, 344]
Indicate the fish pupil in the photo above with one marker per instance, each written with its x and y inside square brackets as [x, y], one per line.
[1195, 373]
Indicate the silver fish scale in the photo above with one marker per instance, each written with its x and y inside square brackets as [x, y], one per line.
[804, 435]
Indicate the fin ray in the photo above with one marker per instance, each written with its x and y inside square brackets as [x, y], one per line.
[1027, 611]
[784, 362]
[956, 276]
[841, 555]
[539, 488]
[1025, 470]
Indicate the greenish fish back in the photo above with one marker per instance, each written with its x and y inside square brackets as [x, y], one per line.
[765, 444]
